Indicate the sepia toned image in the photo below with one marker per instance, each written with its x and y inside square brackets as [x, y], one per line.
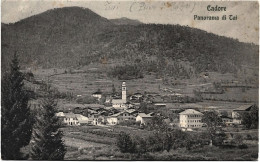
[129, 80]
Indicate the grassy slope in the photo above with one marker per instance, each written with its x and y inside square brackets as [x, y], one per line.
[74, 37]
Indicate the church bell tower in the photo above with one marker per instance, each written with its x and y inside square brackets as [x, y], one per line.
[123, 92]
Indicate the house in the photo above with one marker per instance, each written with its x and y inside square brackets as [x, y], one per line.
[89, 112]
[60, 114]
[132, 111]
[136, 97]
[120, 117]
[112, 120]
[118, 104]
[97, 119]
[97, 94]
[190, 118]
[143, 118]
[236, 113]
[75, 108]
[160, 105]
[227, 120]
[72, 119]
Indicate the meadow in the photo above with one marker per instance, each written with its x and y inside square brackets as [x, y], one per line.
[83, 143]
[88, 79]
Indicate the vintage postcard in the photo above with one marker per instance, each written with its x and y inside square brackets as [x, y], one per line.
[129, 80]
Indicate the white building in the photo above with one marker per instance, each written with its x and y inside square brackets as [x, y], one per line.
[60, 114]
[97, 119]
[143, 118]
[120, 103]
[97, 95]
[190, 119]
[112, 120]
[227, 120]
[120, 117]
[72, 119]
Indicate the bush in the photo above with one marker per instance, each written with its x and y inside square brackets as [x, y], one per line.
[248, 137]
[126, 72]
[242, 146]
[128, 123]
[238, 139]
[125, 143]
[86, 100]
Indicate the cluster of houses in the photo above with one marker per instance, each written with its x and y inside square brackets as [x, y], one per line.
[123, 111]
[100, 118]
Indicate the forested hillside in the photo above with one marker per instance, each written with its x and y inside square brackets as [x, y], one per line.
[74, 37]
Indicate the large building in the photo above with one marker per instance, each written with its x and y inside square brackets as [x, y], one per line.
[120, 103]
[190, 119]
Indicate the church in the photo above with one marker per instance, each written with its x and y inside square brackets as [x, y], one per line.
[120, 103]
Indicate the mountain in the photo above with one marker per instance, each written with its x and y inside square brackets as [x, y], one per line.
[125, 21]
[57, 34]
[74, 37]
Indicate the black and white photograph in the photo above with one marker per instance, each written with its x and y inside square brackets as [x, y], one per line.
[129, 80]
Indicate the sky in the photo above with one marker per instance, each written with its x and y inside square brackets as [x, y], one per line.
[245, 28]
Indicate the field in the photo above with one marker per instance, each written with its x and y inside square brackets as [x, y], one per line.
[83, 143]
[235, 94]
[89, 79]
[94, 142]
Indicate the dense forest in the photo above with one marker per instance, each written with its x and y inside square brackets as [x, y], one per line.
[74, 37]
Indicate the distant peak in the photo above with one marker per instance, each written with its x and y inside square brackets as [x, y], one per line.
[125, 21]
[73, 15]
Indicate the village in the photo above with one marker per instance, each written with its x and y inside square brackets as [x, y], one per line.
[134, 80]
[127, 110]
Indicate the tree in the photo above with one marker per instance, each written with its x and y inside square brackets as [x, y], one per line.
[46, 142]
[157, 123]
[144, 107]
[16, 118]
[250, 119]
[86, 100]
[238, 139]
[214, 123]
[246, 119]
[113, 90]
[254, 113]
[125, 143]
[141, 146]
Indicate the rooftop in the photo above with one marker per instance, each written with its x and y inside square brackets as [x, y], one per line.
[223, 116]
[243, 108]
[143, 115]
[72, 105]
[98, 92]
[72, 115]
[94, 105]
[117, 101]
[190, 112]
